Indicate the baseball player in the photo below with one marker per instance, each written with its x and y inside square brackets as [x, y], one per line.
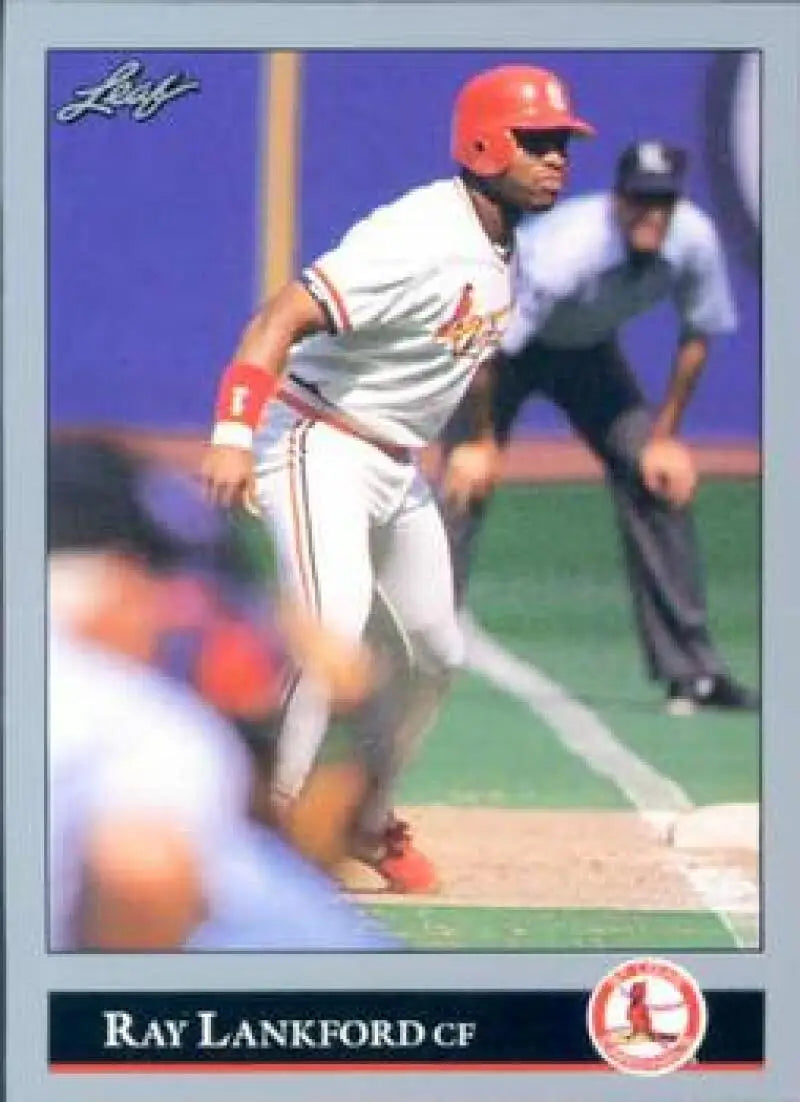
[583, 271]
[344, 376]
[151, 846]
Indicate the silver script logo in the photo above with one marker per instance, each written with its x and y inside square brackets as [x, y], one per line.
[126, 89]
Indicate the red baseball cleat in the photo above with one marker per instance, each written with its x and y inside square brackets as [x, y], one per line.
[405, 868]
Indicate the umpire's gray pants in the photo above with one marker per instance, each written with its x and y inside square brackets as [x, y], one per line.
[599, 394]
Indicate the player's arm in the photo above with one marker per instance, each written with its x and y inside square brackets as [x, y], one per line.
[666, 464]
[705, 306]
[473, 467]
[690, 359]
[142, 886]
[248, 383]
[164, 806]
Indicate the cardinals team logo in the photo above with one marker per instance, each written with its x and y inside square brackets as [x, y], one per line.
[464, 325]
[467, 331]
[647, 1017]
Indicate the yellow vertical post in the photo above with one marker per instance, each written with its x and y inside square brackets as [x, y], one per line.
[279, 170]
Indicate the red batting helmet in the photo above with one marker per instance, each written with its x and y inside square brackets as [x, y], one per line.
[493, 104]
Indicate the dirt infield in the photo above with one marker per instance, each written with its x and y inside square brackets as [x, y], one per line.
[533, 459]
[556, 859]
[568, 460]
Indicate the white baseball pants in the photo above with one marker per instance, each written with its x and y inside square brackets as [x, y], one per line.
[348, 521]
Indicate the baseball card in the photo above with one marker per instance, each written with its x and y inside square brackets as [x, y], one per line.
[398, 436]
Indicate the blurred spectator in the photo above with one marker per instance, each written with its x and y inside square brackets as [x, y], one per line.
[151, 846]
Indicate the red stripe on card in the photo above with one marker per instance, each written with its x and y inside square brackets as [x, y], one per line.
[207, 1068]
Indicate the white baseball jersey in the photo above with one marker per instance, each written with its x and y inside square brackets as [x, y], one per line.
[416, 296]
[123, 739]
[576, 283]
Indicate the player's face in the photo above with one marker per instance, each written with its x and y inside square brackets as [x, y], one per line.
[125, 614]
[644, 220]
[538, 169]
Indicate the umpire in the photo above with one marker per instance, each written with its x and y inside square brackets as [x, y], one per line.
[583, 270]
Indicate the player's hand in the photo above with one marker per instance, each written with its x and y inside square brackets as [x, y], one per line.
[472, 472]
[668, 470]
[228, 476]
[346, 669]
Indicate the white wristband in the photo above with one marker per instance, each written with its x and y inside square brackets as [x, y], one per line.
[232, 434]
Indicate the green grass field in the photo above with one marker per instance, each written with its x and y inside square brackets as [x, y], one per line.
[548, 585]
[544, 929]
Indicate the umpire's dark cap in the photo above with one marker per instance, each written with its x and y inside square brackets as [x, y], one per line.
[651, 168]
[94, 503]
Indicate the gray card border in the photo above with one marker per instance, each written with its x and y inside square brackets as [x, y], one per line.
[32, 28]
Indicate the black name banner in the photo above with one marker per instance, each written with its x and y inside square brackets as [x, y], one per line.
[167, 1030]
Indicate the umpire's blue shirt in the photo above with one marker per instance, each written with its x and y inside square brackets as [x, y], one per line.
[576, 284]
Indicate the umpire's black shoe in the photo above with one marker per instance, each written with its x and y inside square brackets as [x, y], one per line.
[686, 697]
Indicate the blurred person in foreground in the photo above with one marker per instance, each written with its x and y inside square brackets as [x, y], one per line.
[151, 844]
[584, 270]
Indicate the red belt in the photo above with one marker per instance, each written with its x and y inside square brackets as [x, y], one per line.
[394, 451]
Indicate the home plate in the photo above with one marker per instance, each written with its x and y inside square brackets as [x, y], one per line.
[723, 826]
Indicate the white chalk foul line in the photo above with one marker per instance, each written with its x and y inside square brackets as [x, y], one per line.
[731, 896]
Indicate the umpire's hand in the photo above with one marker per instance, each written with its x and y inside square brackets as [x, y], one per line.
[228, 476]
[472, 471]
[668, 470]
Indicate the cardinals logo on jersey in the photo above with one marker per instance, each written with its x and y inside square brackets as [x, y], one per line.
[462, 327]
[468, 332]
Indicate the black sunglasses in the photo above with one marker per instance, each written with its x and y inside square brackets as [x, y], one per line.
[540, 142]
